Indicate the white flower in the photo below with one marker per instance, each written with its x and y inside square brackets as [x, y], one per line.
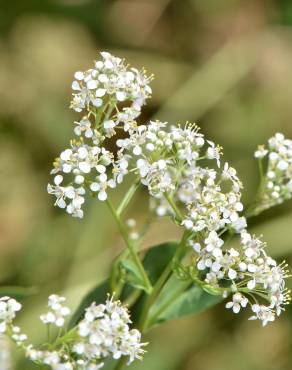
[263, 313]
[57, 313]
[261, 152]
[213, 152]
[8, 308]
[276, 185]
[110, 77]
[238, 301]
[213, 244]
[105, 332]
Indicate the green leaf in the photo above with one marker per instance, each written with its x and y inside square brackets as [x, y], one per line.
[18, 292]
[157, 258]
[175, 302]
[134, 277]
[98, 294]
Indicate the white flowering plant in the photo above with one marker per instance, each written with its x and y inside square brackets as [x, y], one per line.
[188, 182]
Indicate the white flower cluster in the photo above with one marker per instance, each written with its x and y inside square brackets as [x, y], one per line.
[185, 179]
[111, 96]
[104, 332]
[277, 181]
[172, 161]
[110, 81]
[56, 360]
[166, 158]
[57, 313]
[211, 207]
[80, 161]
[8, 309]
[247, 270]
[168, 161]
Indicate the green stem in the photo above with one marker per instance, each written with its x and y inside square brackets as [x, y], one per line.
[253, 209]
[130, 247]
[261, 169]
[132, 298]
[173, 297]
[68, 337]
[174, 207]
[161, 281]
[116, 288]
[127, 198]
[99, 115]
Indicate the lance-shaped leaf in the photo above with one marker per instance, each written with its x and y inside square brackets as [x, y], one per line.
[193, 301]
[179, 299]
[18, 292]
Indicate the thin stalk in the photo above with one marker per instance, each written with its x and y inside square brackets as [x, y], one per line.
[68, 337]
[132, 298]
[99, 114]
[130, 246]
[161, 281]
[252, 209]
[173, 297]
[127, 198]
[116, 288]
[174, 207]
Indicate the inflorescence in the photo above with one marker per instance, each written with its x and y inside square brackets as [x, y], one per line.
[104, 332]
[185, 177]
[276, 182]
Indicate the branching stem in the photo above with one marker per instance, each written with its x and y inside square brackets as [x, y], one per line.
[130, 246]
[161, 281]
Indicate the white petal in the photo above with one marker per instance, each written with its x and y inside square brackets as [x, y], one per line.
[70, 192]
[61, 203]
[236, 307]
[137, 150]
[58, 179]
[232, 274]
[79, 75]
[100, 93]
[102, 195]
[121, 96]
[82, 153]
[100, 168]
[97, 102]
[76, 86]
[79, 179]
[103, 177]
[91, 84]
[66, 155]
[251, 284]
[84, 167]
[67, 168]
[94, 186]
[201, 265]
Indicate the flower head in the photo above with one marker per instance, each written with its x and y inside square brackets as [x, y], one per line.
[277, 180]
[57, 313]
[8, 309]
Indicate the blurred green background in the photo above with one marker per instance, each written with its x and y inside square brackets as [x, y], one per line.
[225, 64]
